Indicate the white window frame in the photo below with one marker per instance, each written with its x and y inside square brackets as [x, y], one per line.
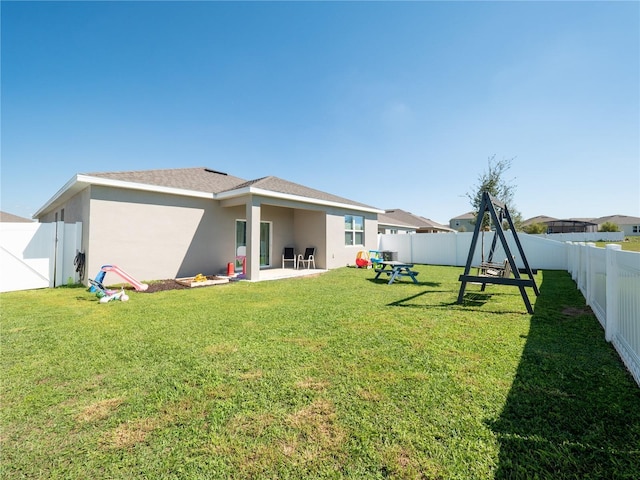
[351, 231]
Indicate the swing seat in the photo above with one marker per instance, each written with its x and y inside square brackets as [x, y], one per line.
[502, 270]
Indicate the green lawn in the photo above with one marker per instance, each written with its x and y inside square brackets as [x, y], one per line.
[631, 244]
[336, 376]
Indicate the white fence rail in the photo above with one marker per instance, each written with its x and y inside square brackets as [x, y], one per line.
[609, 279]
[38, 255]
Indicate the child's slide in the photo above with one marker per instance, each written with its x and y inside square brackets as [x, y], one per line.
[141, 287]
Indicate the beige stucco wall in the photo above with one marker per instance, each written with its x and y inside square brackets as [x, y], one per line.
[154, 236]
[310, 231]
[341, 254]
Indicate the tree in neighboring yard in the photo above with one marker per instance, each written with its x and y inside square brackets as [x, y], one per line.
[609, 227]
[493, 181]
[535, 228]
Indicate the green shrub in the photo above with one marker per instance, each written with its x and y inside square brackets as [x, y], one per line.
[535, 228]
[609, 227]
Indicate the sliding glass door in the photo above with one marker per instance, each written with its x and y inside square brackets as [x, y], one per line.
[265, 242]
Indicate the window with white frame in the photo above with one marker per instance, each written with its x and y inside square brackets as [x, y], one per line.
[636, 228]
[353, 230]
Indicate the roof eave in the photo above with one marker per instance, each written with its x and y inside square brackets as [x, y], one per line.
[295, 198]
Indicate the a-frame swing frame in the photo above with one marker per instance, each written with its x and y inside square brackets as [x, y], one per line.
[490, 204]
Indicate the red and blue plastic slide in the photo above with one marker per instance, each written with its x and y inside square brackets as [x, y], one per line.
[139, 286]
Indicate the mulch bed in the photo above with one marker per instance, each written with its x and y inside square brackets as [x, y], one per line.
[164, 285]
[170, 284]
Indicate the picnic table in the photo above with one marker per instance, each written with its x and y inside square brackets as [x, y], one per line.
[395, 269]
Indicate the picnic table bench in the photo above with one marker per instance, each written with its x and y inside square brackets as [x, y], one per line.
[395, 269]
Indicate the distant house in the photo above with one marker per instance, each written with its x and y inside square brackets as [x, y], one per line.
[390, 224]
[464, 222]
[11, 218]
[401, 221]
[629, 225]
[158, 224]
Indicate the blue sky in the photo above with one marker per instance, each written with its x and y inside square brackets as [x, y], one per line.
[393, 104]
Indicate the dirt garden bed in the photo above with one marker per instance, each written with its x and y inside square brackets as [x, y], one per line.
[183, 283]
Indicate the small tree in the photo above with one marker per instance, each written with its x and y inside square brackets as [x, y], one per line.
[492, 181]
[609, 227]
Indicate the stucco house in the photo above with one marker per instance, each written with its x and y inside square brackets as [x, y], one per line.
[172, 223]
[464, 222]
[627, 224]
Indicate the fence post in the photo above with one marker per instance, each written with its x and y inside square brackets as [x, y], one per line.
[612, 283]
[589, 273]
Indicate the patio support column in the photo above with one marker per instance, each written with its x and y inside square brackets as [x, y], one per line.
[253, 239]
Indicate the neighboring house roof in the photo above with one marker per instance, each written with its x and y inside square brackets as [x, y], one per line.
[200, 182]
[538, 219]
[404, 218]
[11, 218]
[388, 220]
[618, 220]
[466, 216]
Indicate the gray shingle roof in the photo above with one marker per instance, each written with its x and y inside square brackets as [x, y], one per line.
[385, 219]
[407, 218]
[618, 220]
[11, 218]
[275, 184]
[199, 179]
[538, 219]
[465, 216]
[202, 179]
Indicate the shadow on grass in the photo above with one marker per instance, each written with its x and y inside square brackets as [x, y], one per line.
[573, 410]
[473, 300]
[385, 280]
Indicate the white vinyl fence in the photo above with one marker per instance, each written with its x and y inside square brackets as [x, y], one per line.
[38, 255]
[608, 278]
[453, 249]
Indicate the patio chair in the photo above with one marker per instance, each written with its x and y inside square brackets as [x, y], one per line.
[289, 255]
[308, 258]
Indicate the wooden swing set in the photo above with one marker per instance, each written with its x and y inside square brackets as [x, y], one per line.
[497, 273]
